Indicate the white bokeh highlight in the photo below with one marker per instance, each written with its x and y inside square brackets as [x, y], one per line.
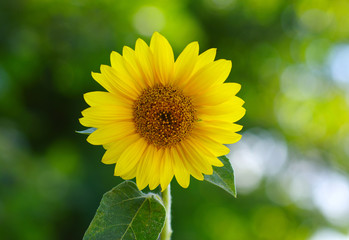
[305, 181]
[328, 234]
[259, 154]
[148, 19]
[339, 63]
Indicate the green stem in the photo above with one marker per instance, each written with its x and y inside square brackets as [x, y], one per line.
[167, 230]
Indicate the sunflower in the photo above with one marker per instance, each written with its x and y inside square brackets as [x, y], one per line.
[162, 118]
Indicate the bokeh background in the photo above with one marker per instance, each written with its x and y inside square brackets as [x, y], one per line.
[292, 168]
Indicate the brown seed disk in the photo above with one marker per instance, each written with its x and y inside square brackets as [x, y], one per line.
[163, 115]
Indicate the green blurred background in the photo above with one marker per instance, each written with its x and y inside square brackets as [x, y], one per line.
[291, 58]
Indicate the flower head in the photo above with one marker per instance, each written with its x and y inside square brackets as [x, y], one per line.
[162, 118]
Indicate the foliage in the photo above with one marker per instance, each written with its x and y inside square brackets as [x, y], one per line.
[223, 177]
[127, 213]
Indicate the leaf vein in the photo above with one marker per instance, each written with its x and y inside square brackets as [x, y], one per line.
[130, 224]
[126, 200]
[134, 233]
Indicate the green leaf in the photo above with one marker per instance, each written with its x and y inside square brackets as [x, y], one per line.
[223, 177]
[87, 131]
[125, 213]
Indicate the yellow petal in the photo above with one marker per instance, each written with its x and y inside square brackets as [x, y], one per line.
[234, 115]
[104, 115]
[215, 162]
[228, 111]
[224, 125]
[129, 175]
[109, 85]
[163, 58]
[133, 68]
[223, 133]
[145, 59]
[115, 149]
[189, 162]
[123, 86]
[181, 173]
[130, 157]
[216, 148]
[199, 159]
[116, 60]
[108, 112]
[143, 168]
[214, 73]
[196, 159]
[154, 172]
[103, 98]
[205, 58]
[166, 172]
[104, 82]
[111, 133]
[227, 107]
[93, 123]
[207, 153]
[107, 145]
[217, 94]
[185, 63]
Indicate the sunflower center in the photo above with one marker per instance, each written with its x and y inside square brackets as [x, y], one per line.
[163, 115]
